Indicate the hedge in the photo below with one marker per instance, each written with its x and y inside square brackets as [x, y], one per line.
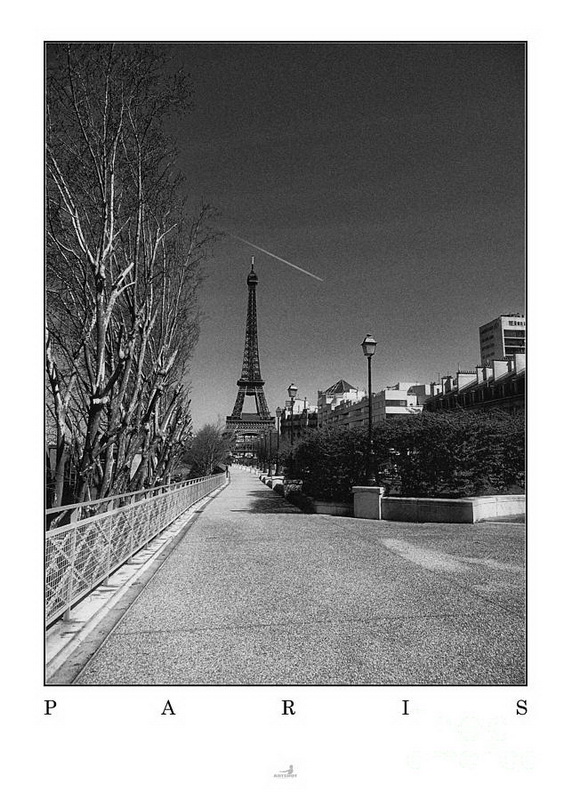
[446, 454]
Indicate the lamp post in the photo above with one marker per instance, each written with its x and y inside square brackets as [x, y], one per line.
[270, 474]
[292, 391]
[262, 451]
[369, 345]
[278, 420]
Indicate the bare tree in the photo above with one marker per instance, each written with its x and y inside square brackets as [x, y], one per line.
[208, 448]
[123, 267]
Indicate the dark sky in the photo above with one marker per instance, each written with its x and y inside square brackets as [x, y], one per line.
[393, 171]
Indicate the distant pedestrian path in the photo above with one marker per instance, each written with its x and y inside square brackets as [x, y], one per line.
[259, 593]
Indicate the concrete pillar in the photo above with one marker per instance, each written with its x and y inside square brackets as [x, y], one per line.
[367, 501]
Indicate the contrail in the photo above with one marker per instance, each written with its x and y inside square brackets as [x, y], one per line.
[273, 255]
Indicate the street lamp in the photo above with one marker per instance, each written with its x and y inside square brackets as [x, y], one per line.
[263, 447]
[292, 391]
[278, 420]
[369, 345]
[270, 453]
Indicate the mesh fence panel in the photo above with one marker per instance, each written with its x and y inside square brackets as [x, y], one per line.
[58, 572]
[89, 562]
[121, 538]
[80, 555]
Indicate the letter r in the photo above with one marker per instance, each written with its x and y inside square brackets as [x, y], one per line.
[288, 708]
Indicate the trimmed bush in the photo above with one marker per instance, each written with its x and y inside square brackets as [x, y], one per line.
[329, 462]
[446, 454]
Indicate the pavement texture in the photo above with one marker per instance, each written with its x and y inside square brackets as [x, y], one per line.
[258, 593]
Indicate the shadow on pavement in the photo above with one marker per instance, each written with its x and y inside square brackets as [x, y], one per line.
[263, 502]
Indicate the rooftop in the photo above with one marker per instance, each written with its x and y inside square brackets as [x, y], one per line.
[340, 388]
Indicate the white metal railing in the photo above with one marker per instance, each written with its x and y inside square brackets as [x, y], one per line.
[61, 515]
[84, 552]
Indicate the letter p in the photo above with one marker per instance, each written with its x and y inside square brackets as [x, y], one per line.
[49, 705]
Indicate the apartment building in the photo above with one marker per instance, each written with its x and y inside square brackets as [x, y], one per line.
[402, 399]
[499, 383]
[340, 393]
[502, 338]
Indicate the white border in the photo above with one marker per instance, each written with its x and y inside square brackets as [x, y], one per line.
[229, 742]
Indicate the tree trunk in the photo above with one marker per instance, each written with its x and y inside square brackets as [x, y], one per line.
[59, 473]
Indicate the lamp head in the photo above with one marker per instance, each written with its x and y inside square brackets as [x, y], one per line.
[369, 345]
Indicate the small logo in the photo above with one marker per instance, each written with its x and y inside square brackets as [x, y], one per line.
[286, 773]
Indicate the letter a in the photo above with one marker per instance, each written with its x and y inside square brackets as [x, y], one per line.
[168, 708]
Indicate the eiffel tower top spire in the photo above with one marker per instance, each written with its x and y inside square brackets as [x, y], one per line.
[250, 382]
[252, 279]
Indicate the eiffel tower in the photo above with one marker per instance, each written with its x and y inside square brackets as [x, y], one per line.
[246, 426]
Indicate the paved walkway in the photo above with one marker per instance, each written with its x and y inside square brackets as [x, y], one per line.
[259, 593]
